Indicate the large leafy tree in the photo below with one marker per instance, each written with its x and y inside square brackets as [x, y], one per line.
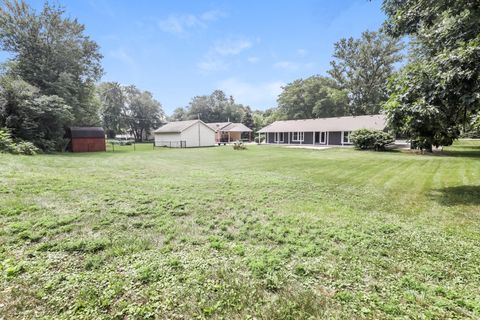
[51, 52]
[315, 96]
[362, 67]
[437, 93]
[128, 109]
[216, 107]
[31, 116]
[112, 108]
[143, 112]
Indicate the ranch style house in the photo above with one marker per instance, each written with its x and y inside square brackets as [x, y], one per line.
[321, 131]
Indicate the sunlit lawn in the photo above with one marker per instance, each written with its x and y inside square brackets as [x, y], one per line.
[268, 232]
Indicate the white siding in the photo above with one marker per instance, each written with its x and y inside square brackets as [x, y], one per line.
[164, 139]
[199, 135]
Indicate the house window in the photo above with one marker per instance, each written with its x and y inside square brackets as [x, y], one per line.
[322, 137]
[346, 137]
[297, 136]
[278, 136]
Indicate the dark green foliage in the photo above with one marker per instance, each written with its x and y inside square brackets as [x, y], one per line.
[362, 67]
[314, 97]
[21, 147]
[31, 116]
[216, 107]
[366, 139]
[436, 94]
[49, 81]
[128, 109]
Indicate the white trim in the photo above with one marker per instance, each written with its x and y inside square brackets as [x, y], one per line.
[300, 136]
[277, 135]
[348, 137]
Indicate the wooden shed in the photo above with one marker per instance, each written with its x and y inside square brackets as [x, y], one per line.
[86, 139]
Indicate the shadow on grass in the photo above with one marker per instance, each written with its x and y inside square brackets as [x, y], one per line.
[460, 195]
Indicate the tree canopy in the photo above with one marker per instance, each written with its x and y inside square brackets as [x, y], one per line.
[437, 93]
[315, 96]
[362, 67]
[48, 83]
[128, 109]
[216, 107]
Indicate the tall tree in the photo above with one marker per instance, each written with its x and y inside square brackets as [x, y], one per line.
[126, 108]
[362, 67]
[112, 108]
[315, 96]
[144, 114]
[216, 107]
[179, 114]
[52, 53]
[436, 94]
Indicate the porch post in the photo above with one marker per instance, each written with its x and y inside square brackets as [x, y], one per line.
[250, 136]
[228, 136]
[313, 138]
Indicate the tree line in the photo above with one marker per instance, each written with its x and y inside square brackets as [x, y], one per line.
[50, 80]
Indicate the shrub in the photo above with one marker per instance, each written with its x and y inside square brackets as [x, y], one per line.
[22, 147]
[238, 145]
[6, 142]
[26, 148]
[262, 139]
[366, 139]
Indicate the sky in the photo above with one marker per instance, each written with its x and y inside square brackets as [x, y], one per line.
[249, 49]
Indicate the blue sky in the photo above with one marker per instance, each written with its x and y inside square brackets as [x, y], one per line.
[249, 49]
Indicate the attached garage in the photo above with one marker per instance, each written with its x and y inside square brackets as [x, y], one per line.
[86, 139]
[185, 134]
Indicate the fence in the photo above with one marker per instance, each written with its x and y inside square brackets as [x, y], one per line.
[170, 144]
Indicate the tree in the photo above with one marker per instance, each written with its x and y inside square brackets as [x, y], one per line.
[436, 94]
[31, 116]
[144, 114]
[51, 53]
[126, 108]
[362, 67]
[312, 97]
[179, 114]
[112, 108]
[216, 107]
[247, 119]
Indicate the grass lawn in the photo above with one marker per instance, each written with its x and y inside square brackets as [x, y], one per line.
[267, 233]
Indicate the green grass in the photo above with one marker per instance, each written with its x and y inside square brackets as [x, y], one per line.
[266, 233]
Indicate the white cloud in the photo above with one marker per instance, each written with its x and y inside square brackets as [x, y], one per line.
[293, 66]
[219, 56]
[123, 56]
[181, 23]
[253, 59]
[212, 64]
[231, 47]
[302, 52]
[286, 65]
[257, 95]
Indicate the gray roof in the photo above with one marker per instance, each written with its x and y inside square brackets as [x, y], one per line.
[217, 125]
[229, 127]
[178, 126]
[375, 122]
[86, 132]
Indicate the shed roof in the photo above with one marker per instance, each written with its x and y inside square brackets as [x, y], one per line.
[86, 132]
[229, 127]
[375, 122]
[179, 126]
